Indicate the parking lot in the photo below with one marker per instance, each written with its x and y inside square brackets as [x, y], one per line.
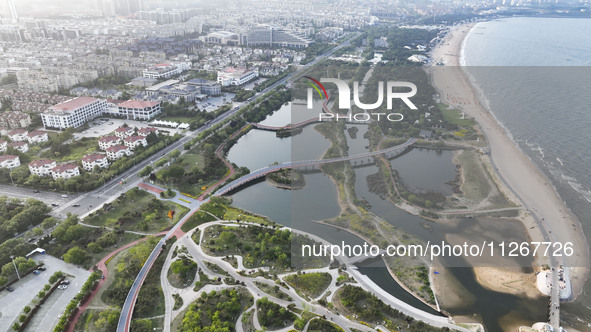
[26, 289]
[213, 103]
[99, 127]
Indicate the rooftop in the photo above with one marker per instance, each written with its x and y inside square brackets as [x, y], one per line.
[117, 148]
[6, 157]
[108, 139]
[64, 168]
[41, 162]
[89, 158]
[138, 104]
[73, 104]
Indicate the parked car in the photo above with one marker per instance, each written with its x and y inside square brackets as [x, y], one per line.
[10, 289]
[62, 286]
[36, 191]
[65, 195]
[41, 268]
[54, 204]
[65, 282]
[76, 205]
[36, 271]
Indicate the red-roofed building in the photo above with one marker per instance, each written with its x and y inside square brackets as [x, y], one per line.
[73, 113]
[20, 146]
[37, 136]
[42, 167]
[139, 109]
[147, 131]
[123, 132]
[17, 135]
[135, 141]
[9, 161]
[117, 151]
[65, 171]
[94, 159]
[108, 141]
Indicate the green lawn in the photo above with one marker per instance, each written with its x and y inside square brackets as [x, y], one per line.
[309, 284]
[454, 116]
[77, 150]
[137, 210]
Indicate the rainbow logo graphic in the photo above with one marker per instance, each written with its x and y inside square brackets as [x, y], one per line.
[316, 87]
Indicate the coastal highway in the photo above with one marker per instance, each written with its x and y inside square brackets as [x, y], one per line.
[127, 309]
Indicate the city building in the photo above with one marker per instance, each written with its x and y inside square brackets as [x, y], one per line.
[165, 70]
[236, 76]
[37, 136]
[139, 110]
[73, 113]
[135, 141]
[42, 167]
[65, 171]
[17, 135]
[20, 146]
[108, 141]
[123, 132]
[266, 35]
[206, 87]
[147, 131]
[117, 151]
[15, 119]
[9, 161]
[90, 161]
[4, 145]
[221, 37]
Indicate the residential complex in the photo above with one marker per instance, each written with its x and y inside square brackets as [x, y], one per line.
[15, 120]
[272, 36]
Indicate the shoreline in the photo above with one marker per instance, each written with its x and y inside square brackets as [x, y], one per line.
[552, 220]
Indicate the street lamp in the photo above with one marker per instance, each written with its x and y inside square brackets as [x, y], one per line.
[13, 263]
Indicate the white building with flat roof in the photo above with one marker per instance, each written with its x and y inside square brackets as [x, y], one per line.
[73, 113]
[236, 76]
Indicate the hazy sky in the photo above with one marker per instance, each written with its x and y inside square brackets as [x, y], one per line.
[37, 7]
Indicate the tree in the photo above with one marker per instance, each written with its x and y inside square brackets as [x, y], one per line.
[146, 171]
[76, 255]
[175, 153]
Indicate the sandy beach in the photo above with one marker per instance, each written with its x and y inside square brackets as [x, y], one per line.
[548, 218]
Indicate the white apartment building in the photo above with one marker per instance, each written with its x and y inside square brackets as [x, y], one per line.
[65, 171]
[118, 151]
[108, 141]
[20, 146]
[3, 145]
[42, 167]
[123, 132]
[236, 76]
[17, 135]
[166, 70]
[135, 141]
[9, 161]
[94, 159]
[73, 113]
[133, 109]
[147, 131]
[37, 136]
